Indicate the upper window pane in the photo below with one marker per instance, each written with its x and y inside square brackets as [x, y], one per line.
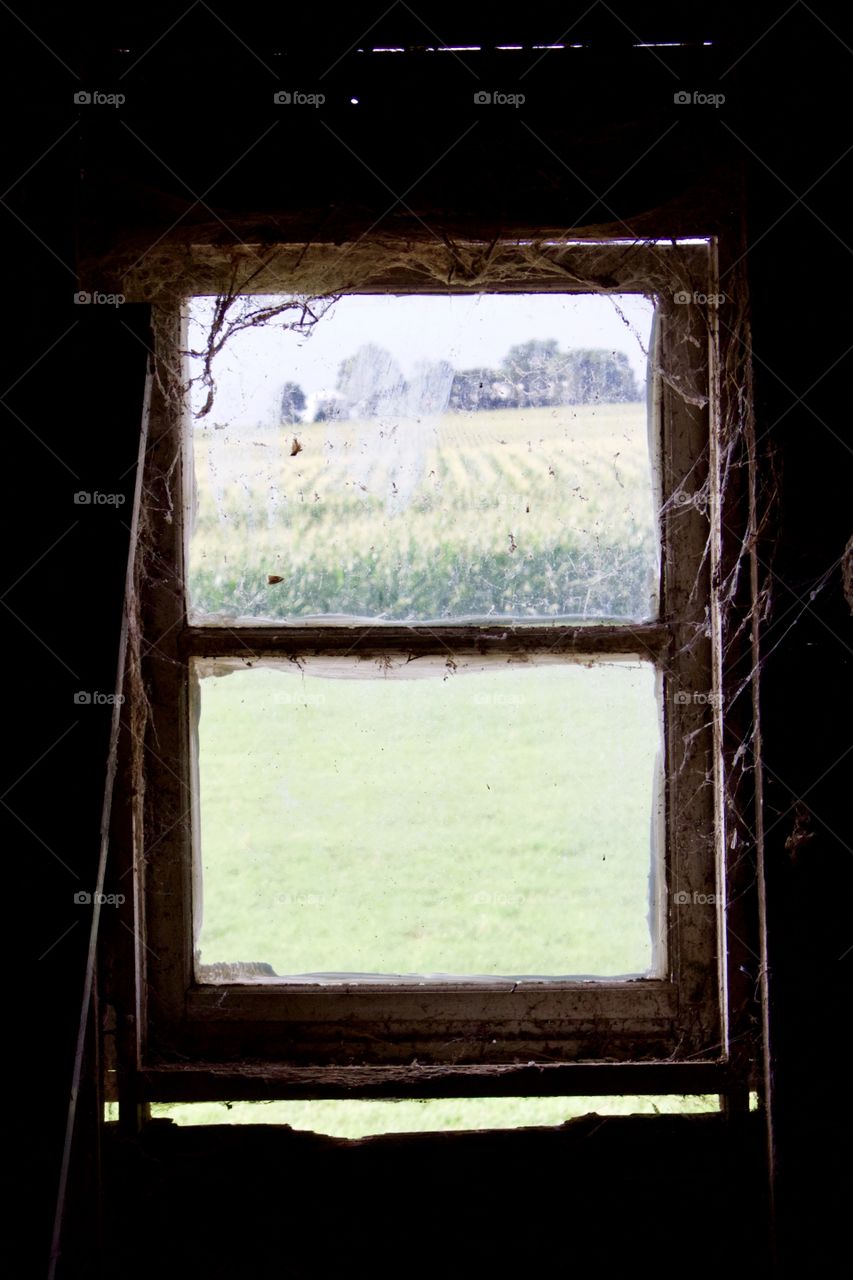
[425, 458]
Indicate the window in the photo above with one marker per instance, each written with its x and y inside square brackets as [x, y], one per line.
[432, 686]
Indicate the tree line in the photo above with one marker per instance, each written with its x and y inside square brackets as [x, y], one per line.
[532, 374]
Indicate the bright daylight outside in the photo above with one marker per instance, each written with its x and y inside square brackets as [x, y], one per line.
[427, 460]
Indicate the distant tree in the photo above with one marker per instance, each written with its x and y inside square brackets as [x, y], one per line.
[428, 390]
[540, 374]
[600, 375]
[371, 381]
[536, 371]
[292, 402]
[532, 374]
[327, 406]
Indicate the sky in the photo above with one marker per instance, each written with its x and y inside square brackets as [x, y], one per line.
[466, 330]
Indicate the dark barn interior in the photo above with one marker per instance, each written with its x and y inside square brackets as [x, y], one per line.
[198, 153]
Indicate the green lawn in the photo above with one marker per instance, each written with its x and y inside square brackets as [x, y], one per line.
[494, 822]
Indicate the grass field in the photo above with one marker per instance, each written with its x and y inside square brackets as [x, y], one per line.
[516, 513]
[492, 822]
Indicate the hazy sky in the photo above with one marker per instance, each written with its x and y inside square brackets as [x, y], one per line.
[467, 331]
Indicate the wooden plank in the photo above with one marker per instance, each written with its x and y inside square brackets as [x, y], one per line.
[690, 697]
[738, 579]
[212, 1081]
[375, 638]
[355, 1024]
[166, 827]
[434, 1003]
[540, 259]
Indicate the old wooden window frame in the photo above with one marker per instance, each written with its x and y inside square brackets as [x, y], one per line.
[220, 1041]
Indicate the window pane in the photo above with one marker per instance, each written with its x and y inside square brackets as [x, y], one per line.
[427, 458]
[424, 818]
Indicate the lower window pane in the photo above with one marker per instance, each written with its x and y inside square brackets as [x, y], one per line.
[427, 818]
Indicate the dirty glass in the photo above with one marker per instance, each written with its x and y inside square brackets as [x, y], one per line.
[427, 458]
[430, 817]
